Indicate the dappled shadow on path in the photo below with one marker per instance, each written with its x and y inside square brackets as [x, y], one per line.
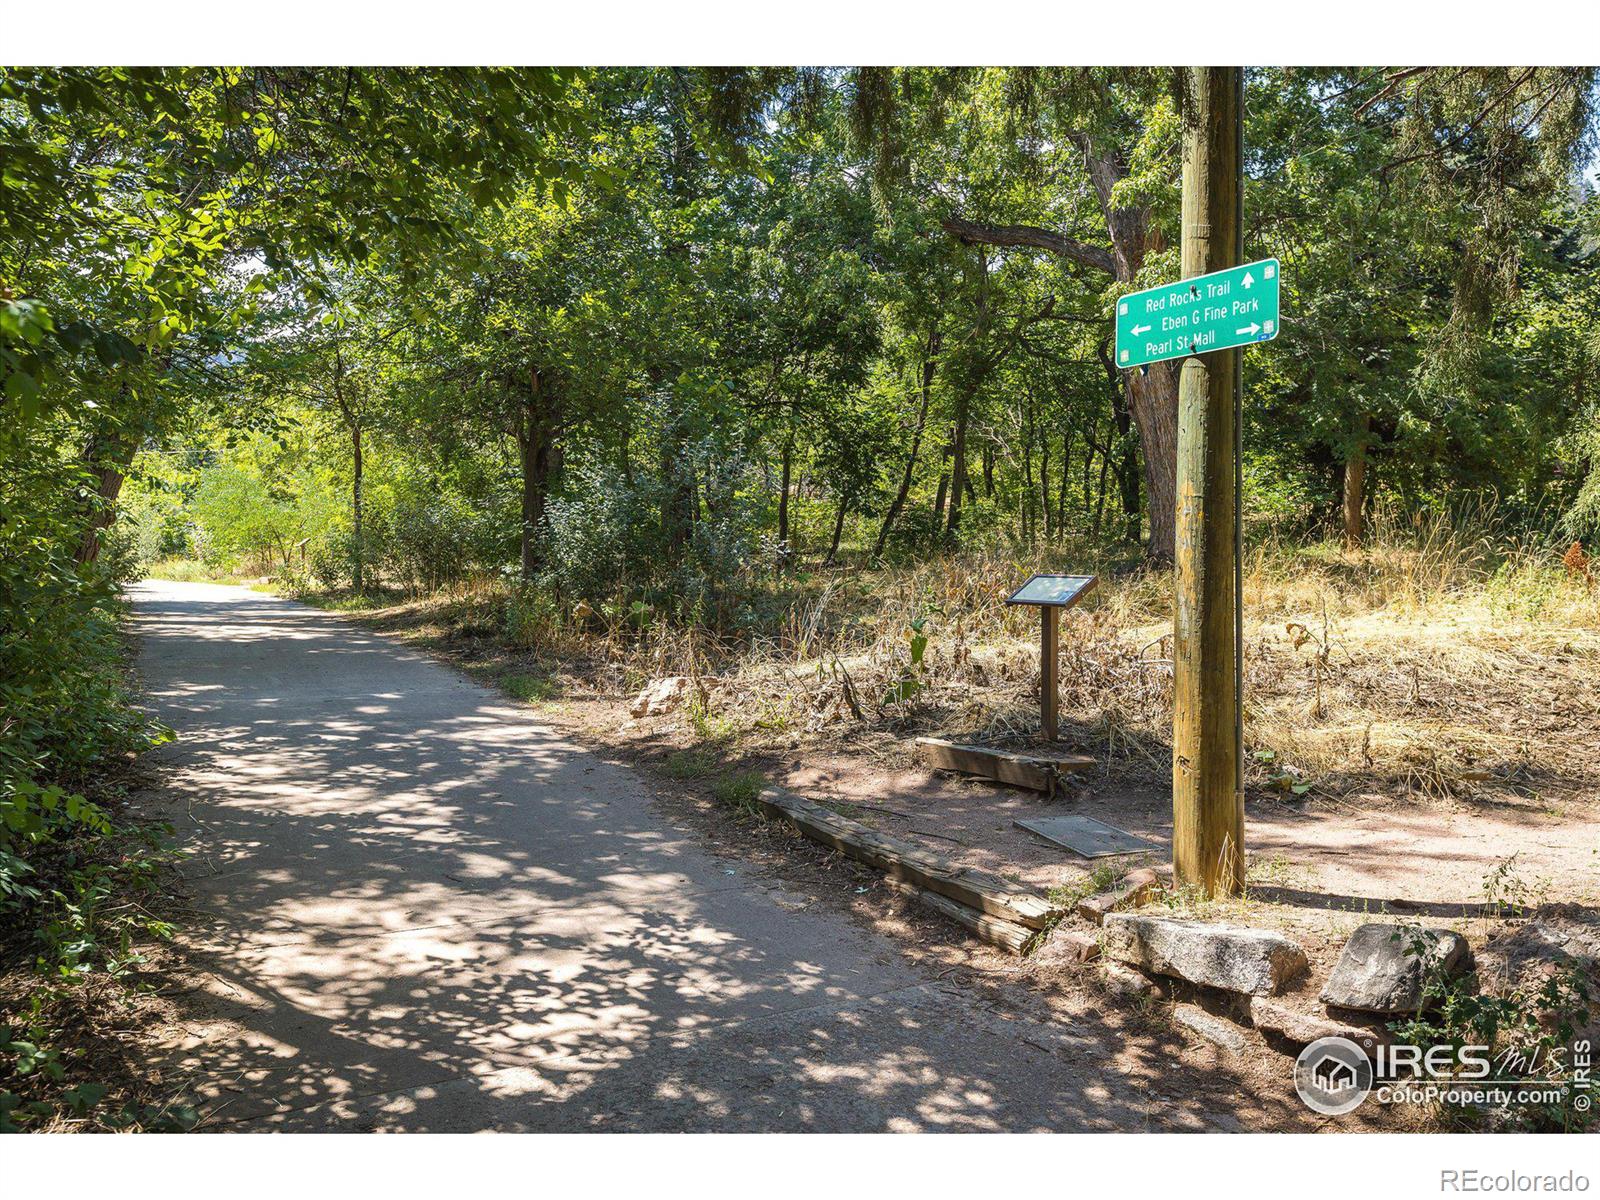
[416, 908]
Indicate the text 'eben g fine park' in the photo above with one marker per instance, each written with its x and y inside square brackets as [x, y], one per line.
[1194, 316]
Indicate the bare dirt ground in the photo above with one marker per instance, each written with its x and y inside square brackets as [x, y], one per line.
[1316, 871]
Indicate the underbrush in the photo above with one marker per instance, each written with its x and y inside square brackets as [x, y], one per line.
[1527, 1029]
[82, 880]
[82, 891]
[1403, 668]
[191, 570]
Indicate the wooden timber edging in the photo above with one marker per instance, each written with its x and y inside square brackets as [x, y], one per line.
[1006, 934]
[982, 890]
[1038, 772]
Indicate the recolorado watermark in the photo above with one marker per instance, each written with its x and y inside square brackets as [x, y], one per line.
[1510, 1183]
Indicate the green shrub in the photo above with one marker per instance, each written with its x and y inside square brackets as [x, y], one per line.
[603, 539]
[603, 536]
[71, 878]
[531, 617]
[1528, 1030]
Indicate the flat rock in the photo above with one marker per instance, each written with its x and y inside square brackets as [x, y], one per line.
[1254, 961]
[1129, 984]
[1383, 967]
[1275, 1017]
[1067, 946]
[1219, 1032]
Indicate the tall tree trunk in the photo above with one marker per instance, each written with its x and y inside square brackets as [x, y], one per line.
[1153, 400]
[352, 425]
[838, 531]
[1355, 481]
[958, 461]
[1066, 481]
[1128, 486]
[539, 456]
[944, 488]
[1044, 484]
[930, 363]
[676, 496]
[1100, 500]
[1090, 442]
[960, 485]
[783, 486]
[1027, 478]
[1128, 468]
[108, 457]
[356, 515]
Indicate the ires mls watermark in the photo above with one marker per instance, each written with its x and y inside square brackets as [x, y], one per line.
[1336, 1075]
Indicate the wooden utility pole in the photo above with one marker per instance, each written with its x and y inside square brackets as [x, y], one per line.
[1207, 775]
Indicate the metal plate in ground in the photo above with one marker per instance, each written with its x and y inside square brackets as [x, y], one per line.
[1085, 835]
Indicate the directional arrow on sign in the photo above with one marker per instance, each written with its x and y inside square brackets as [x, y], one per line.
[1249, 280]
[1252, 329]
[1138, 329]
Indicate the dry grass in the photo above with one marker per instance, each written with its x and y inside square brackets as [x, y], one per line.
[1435, 663]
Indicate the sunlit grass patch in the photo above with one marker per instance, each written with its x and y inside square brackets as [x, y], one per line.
[690, 764]
[190, 570]
[739, 791]
[534, 689]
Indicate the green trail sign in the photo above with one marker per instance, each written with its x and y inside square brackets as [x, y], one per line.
[1195, 316]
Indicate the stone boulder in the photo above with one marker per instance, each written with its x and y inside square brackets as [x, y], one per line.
[1253, 961]
[1067, 946]
[1277, 1018]
[661, 696]
[1129, 985]
[1224, 1034]
[1383, 967]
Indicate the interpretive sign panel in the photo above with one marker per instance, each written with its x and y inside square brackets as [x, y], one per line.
[1058, 591]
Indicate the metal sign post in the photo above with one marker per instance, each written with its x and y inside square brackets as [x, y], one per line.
[1050, 594]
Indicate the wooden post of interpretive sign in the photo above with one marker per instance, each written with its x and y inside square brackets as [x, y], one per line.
[1050, 594]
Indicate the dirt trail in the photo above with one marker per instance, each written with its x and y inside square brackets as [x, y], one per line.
[422, 909]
